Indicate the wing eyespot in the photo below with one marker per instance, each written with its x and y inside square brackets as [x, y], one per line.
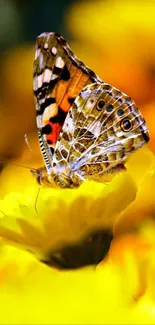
[126, 125]
[100, 104]
[109, 108]
[120, 112]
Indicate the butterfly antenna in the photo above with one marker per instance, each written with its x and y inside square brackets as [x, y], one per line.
[4, 160]
[35, 205]
[27, 142]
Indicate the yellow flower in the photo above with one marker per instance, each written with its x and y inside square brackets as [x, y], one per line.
[43, 219]
[112, 293]
[134, 254]
[142, 168]
[47, 220]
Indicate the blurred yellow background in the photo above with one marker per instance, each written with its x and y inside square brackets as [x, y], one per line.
[114, 38]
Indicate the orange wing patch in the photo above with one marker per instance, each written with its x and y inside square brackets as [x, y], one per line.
[64, 92]
[54, 134]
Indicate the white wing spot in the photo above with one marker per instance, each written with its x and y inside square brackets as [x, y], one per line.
[41, 61]
[46, 46]
[54, 50]
[40, 80]
[50, 111]
[59, 62]
[47, 75]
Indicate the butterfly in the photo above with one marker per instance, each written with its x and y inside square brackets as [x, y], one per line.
[86, 128]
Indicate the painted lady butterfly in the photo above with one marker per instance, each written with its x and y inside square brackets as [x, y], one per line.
[86, 127]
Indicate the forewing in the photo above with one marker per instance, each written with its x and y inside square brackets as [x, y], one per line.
[59, 77]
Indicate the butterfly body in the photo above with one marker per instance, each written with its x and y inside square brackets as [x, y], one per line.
[86, 127]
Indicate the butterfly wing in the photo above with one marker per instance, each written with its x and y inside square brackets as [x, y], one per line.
[59, 76]
[102, 128]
